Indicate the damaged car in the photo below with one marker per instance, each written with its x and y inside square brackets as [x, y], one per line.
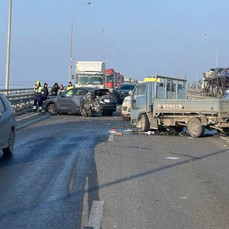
[98, 101]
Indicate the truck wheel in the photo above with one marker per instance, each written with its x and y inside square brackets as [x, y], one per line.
[144, 123]
[195, 128]
[52, 109]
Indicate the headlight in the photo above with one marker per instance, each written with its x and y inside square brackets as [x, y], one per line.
[107, 100]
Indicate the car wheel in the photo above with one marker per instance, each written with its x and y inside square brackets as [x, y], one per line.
[125, 118]
[10, 147]
[195, 128]
[144, 124]
[52, 109]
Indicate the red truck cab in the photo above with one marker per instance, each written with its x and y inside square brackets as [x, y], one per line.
[109, 78]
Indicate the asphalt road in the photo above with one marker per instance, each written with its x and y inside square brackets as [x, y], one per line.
[66, 172]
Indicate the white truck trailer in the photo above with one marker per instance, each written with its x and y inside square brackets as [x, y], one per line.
[90, 74]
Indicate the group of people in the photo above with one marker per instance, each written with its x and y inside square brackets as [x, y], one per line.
[41, 93]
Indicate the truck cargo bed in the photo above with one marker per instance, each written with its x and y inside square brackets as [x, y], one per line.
[205, 106]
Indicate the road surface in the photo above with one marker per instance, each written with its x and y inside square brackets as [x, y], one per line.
[67, 172]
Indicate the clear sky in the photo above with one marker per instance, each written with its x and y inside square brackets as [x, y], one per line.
[136, 37]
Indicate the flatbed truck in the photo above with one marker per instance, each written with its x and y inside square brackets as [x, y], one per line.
[162, 102]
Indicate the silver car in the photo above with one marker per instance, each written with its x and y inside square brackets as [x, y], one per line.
[7, 126]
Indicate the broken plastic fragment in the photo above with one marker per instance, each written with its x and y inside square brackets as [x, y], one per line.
[118, 134]
[172, 158]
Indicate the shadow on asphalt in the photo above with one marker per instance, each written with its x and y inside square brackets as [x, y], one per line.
[84, 166]
[128, 178]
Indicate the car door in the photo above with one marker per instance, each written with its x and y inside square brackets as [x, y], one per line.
[65, 102]
[5, 125]
[78, 97]
[139, 101]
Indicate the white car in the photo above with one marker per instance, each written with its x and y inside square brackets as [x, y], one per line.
[126, 108]
[7, 126]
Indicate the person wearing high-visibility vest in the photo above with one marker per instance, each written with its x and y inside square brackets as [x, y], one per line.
[70, 86]
[37, 96]
[69, 89]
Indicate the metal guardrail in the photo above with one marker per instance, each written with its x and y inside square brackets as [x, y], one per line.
[19, 98]
[22, 98]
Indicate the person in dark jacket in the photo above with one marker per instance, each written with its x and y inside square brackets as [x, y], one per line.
[45, 92]
[55, 89]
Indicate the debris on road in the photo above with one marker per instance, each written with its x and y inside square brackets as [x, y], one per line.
[118, 134]
[172, 158]
[149, 133]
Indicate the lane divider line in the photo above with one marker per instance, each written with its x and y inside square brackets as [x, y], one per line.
[26, 116]
[95, 215]
[110, 138]
[19, 127]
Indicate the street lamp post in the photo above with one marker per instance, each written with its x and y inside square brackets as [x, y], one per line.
[71, 38]
[216, 48]
[8, 47]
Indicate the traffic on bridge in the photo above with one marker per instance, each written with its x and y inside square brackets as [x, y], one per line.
[127, 126]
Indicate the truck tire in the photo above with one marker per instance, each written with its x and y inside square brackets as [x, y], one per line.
[144, 123]
[195, 128]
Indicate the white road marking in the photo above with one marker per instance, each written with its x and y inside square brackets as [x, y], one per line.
[26, 116]
[32, 122]
[95, 215]
[110, 138]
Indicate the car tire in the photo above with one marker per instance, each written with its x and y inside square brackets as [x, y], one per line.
[144, 123]
[52, 109]
[125, 118]
[195, 128]
[9, 149]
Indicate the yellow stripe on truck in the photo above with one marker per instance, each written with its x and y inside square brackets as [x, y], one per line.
[152, 79]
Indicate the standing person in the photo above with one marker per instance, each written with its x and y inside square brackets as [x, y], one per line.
[61, 89]
[45, 92]
[54, 90]
[70, 86]
[37, 95]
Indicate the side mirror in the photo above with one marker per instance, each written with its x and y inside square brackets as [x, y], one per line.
[134, 106]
